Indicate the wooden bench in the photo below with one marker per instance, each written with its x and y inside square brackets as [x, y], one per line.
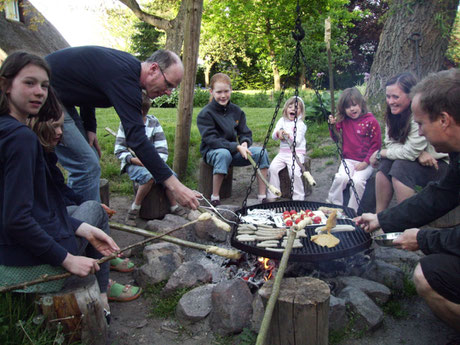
[205, 181]
[285, 180]
[156, 204]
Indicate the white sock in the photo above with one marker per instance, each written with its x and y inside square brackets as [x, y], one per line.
[135, 207]
[215, 197]
[261, 197]
[173, 208]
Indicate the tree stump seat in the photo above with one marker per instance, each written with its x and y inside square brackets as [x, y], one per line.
[155, 204]
[301, 313]
[104, 191]
[78, 308]
[285, 180]
[205, 181]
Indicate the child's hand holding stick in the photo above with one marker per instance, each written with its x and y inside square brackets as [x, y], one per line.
[306, 174]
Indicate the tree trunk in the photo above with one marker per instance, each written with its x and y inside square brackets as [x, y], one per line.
[414, 39]
[173, 28]
[185, 107]
[175, 34]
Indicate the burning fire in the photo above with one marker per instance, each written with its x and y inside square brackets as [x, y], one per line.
[268, 266]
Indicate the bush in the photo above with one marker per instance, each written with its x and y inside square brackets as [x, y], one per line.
[313, 109]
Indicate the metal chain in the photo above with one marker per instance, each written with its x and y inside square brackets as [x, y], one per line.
[336, 140]
[300, 36]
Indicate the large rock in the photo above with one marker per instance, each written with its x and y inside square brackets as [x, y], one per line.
[208, 231]
[231, 307]
[258, 311]
[170, 222]
[187, 275]
[368, 315]
[379, 293]
[404, 259]
[196, 304]
[163, 259]
[338, 317]
[386, 274]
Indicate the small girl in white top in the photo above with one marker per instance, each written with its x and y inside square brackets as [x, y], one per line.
[285, 126]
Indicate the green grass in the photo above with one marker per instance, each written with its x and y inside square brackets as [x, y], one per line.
[258, 120]
[163, 306]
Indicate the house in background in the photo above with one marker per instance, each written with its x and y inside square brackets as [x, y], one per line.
[23, 27]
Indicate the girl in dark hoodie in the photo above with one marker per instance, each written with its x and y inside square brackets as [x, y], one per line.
[37, 236]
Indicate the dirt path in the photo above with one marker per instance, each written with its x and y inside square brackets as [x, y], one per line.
[131, 323]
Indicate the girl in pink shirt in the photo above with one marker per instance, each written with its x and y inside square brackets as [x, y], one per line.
[361, 137]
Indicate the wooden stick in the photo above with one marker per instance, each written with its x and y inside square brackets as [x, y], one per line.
[327, 39]
[264, 180]
[46, 278]
[115, 135]
[227, 253]
[265, 325]
[306, 174]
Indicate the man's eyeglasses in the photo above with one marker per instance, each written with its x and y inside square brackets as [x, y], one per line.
[169, 86]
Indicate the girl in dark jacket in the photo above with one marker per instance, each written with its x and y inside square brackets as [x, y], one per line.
[37, 236]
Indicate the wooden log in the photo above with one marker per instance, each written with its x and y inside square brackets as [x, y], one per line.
[301, 314]
[79, 309]
[104, 191]
[155, 205]
[205, 181]
[285, 180]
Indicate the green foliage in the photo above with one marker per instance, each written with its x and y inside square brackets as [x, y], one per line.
[201, 97]
[146, 39]
[163, 306]
[453, 52]
[166, 101]
[20, 322]
[313, 109]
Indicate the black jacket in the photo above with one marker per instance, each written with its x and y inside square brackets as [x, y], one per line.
[435, 200]
[220, 126]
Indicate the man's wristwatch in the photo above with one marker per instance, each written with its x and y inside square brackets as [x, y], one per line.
[378, 156]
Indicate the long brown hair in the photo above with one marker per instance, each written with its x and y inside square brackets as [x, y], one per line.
[219, 78]
[42, 123]
[399, 125]
[10, 68]
[348, 98]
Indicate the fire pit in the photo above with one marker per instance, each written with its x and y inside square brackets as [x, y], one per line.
[351, 242]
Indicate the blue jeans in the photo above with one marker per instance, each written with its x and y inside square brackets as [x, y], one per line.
[221, 159]
[91, 212]
[140, 174]
[78, 158]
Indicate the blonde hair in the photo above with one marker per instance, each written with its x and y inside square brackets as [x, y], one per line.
[44, 131]
[219, 78]
[300, 106]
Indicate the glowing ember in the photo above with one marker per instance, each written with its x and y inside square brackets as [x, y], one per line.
[268, 265]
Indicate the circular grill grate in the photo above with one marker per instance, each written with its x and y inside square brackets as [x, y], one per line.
[351, 242]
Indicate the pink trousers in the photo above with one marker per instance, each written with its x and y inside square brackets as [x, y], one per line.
[279, 163]
[359, 178]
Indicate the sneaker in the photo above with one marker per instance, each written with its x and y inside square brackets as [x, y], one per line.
[215, 203]
[131, 217]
